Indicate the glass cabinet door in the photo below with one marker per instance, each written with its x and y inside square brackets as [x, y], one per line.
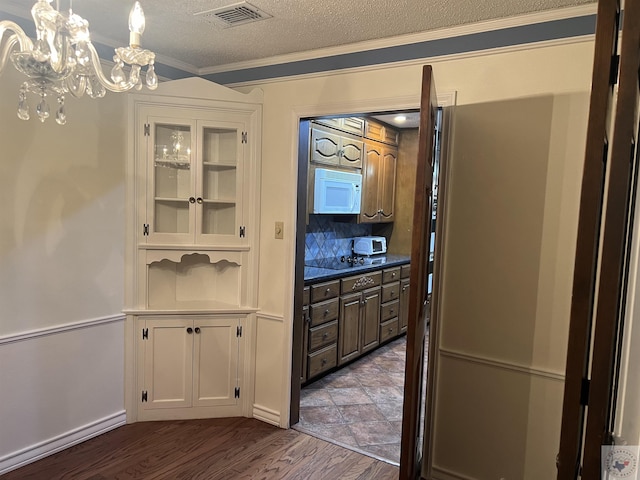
[172, 181]
[218, 211]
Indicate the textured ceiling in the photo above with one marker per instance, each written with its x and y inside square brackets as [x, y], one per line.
[181, 39]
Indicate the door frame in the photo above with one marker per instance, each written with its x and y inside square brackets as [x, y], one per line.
[446, 100]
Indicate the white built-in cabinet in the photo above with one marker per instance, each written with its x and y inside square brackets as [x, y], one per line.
[192, 296]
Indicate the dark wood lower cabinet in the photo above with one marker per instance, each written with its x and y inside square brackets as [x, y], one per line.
[370, 319]
[359, 329]
[349, 317]
[349, 327]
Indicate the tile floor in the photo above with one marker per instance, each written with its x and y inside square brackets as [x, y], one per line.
[360, 405]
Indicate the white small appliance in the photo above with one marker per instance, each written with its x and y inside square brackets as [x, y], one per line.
[336, 191]
[369, 245]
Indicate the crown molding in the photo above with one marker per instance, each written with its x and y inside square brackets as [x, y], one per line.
[479, 27]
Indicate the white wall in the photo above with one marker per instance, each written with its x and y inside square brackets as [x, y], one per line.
[556, 77]
[61, 273]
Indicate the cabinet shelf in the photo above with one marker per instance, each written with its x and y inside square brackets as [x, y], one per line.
[175, 164]
[220, 201]
[171, 199]
[220, 165]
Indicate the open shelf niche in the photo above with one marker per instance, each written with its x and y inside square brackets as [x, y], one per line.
[178, 280]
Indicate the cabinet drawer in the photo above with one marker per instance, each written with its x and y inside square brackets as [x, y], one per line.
[405, 271]
[388, 330]
[390, 291]
[361, 282]
[325, 291]
[323, 360]
[324, 312]
[323, 335]
[306, 295]
[389, 310]
[390, 274]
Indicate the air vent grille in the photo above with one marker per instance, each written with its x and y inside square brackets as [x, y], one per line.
[234, 15]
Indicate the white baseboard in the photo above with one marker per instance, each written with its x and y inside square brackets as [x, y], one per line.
[438, 473]
[53, 445]
[266, 415]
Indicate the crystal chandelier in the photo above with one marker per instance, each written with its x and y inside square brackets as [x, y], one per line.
[62, 59]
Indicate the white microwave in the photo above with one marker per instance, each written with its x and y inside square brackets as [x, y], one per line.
[369, 245]
[336, 191]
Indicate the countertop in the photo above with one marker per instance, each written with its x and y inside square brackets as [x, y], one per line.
[315, 274]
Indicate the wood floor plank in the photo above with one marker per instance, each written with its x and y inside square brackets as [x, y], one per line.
[211, 449]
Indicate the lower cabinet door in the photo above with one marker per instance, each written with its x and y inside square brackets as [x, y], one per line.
[167, 351]
[189, 365]
[215, 362]
[349, 327]
[370, 319]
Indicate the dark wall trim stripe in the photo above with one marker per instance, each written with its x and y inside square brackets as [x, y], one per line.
[505, 37]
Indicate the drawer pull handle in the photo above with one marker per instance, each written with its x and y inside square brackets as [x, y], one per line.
[326, 312]
[390, 329]
[328, 291]
[393, 275]
[391, 311]
[325, 335]
[324, 362]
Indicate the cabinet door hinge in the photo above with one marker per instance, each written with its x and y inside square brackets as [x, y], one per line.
[615, 66]
[147, 130]
[145, 229]
[239, 331]
[242, 231]
[144, 396]
[245, 137]
[237, 392]
[584, 392]
[145, 334]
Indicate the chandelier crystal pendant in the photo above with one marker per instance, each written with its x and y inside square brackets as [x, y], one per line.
[63, 60]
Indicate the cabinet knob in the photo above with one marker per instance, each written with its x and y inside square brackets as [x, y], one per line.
[199, 200]
[390, 311]
[325, 335]
[189, 330]
[326, 312]
[192, 199]
[324, 362]
[197, 329]
[404, 289]
[390, 329]
[306, 318]
[393, 274]
[328, 291]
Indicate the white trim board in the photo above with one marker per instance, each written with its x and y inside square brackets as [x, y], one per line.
[41, 332]
[60, 442]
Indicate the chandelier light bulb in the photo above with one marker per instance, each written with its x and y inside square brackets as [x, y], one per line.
[136, 24]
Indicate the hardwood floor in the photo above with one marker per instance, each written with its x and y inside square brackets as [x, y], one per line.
[229, 448]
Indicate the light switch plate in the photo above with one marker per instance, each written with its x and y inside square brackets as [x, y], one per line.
[279, 230]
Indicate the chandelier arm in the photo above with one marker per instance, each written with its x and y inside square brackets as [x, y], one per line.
[109, 85]
[23, 40]
[15, 36]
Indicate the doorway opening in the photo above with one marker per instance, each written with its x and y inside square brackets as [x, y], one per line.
[355, 400]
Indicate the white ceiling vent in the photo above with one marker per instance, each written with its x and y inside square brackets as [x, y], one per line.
[234, 15]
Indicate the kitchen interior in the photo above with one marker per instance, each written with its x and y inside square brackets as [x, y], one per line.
[360, 181]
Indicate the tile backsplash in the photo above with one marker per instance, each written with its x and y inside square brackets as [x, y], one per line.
[325, 238]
